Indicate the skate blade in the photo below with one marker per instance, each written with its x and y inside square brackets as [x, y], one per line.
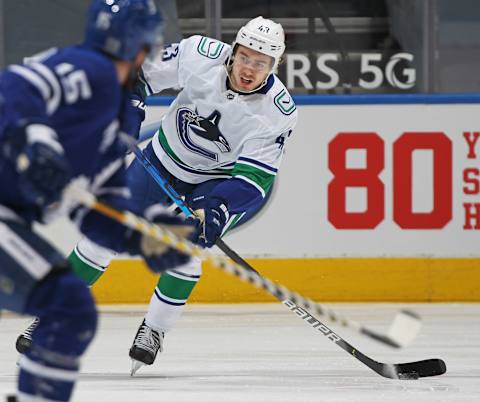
[135, 367]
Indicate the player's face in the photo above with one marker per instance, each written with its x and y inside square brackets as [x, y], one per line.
[249, 69]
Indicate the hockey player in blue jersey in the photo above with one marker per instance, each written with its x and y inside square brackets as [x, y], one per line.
[61, 114]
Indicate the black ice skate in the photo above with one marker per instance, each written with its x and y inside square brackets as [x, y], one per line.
[146, 345]
[24, 340]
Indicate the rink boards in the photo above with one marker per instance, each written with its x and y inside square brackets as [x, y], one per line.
[335, 279]
[377, 199]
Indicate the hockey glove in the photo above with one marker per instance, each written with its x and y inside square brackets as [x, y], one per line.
[40, 162]
[158, 256]
[215, 215]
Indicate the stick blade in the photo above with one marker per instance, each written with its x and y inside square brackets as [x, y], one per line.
[422, 368]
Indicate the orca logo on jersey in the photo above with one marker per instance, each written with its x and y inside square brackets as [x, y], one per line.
[189, 122]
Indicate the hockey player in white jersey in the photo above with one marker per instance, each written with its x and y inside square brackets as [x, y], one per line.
[220, 145]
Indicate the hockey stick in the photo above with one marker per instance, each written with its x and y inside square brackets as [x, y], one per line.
[404, 328]
[402, 371]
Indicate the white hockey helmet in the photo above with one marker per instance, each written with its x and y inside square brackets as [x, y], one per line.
[264, 36]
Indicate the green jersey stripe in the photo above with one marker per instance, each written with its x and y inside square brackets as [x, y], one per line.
[165, 145]
[261, 177]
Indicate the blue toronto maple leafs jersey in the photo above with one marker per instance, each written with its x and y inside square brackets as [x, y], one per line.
[75, 91]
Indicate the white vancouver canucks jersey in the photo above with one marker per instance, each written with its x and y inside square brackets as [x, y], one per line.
[210, 131]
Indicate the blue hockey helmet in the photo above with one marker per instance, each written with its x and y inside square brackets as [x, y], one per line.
[121, 28]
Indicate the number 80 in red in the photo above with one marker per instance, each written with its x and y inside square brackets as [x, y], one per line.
[368, 178]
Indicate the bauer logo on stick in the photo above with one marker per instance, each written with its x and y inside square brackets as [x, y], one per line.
[312, 320]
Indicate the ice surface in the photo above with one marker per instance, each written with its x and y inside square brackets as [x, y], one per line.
[251, 352]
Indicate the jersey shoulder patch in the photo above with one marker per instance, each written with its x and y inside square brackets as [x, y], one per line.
[284, 102]
[210, 48]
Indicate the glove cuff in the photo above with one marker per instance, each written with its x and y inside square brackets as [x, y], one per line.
[224, 209]
[40, 133]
